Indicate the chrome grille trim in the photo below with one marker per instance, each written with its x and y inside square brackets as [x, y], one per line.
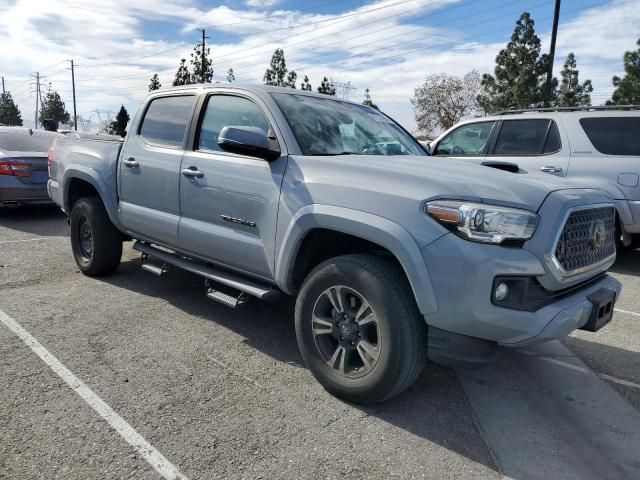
[583, 257]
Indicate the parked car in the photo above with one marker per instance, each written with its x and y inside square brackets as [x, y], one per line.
[265, 191]
[598, 146]
[23, 166]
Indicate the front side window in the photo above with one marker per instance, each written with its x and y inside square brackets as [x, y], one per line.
[613, 135]
[470, 139]
[228, 111]
[527, 137]
[332, 127]
[166, 119]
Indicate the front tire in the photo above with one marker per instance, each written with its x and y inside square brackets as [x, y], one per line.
[359, 329]
[96, 244]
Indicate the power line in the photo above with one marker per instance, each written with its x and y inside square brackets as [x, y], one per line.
[406, 33]
[337, 19]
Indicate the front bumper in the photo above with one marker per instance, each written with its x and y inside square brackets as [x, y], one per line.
[462, 274]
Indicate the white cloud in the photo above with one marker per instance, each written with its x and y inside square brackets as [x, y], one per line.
[262, 3]
[387, 46]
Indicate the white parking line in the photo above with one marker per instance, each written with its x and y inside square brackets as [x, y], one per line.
[578, 368]
[29, 240]
[627, 312]
[163, 466]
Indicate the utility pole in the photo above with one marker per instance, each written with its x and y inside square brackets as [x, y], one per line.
[73, 87]
[203, 61]
[203, 57]
[3, 92]
[37, 97]
[552, 49]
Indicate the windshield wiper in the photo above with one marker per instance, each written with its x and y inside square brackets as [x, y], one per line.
[341, 153]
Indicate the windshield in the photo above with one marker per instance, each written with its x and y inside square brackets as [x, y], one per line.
[330, 127]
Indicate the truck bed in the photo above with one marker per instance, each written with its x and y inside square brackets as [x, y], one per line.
[94, 155]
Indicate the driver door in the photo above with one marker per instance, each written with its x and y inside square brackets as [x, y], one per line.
[467, 142]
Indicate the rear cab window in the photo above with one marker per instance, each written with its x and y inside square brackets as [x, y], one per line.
[613, 135]
[166, 119]
[528, 137]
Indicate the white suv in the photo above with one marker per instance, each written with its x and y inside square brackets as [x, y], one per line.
[599, 145]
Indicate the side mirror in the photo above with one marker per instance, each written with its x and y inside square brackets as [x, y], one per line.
[251, 141]
[426, 145]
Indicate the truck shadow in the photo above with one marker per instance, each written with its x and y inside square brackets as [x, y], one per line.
[627, 262]
[434, 408]
[44, 221]
[608, 360]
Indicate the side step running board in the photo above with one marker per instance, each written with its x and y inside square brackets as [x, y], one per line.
[217, 275]
[150, 267]
[219, 296]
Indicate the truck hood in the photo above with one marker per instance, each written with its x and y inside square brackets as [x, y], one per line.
[435, 177]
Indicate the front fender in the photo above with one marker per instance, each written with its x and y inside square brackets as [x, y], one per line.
[108, 196]
[367, 226]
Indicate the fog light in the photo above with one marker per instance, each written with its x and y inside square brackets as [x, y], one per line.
[502, 292]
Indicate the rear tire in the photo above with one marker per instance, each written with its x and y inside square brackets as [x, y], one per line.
[359, 329]
[96, 244]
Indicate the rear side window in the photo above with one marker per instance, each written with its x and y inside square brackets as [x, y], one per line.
[613, 135]
[166, 119]
[228, 111]
[527, 137]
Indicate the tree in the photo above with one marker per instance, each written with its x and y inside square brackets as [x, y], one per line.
[183, 77]
[155, 83]
[520, 79]
[230, 76]
[291, 79]
[53, 109]
[326, 87]
[305, 84]
[119, 125]
[276, 74]
[9, 111]
[443, 100]
[571, 92]
[627, 90]
[368, 101]
[200, 75]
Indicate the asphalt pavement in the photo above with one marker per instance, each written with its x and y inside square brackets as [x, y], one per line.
[137, 376]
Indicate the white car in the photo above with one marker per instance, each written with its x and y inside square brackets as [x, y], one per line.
[600, 145]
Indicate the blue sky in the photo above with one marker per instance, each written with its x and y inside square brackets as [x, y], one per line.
[388, 46]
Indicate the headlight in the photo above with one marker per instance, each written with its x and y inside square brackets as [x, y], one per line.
[484, 223]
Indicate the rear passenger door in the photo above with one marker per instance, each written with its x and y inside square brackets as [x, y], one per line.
[149, 169]
[535, 144]
[229, 210]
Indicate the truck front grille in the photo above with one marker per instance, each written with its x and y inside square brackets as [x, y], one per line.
[588, 238]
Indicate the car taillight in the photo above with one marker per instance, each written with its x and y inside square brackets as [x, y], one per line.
[49, 160]
[15, 168]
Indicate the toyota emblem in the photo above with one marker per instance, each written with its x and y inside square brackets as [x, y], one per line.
[598, 234]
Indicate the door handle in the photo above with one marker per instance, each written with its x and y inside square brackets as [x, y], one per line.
[131, 162]
[551, 169]
[192, 172]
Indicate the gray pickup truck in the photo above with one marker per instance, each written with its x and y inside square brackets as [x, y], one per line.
[394, 256]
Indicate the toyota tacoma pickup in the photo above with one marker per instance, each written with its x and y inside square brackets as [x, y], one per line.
[394, 256]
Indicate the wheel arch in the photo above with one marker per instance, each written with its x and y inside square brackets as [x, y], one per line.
[80, 181]
[367, 228]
